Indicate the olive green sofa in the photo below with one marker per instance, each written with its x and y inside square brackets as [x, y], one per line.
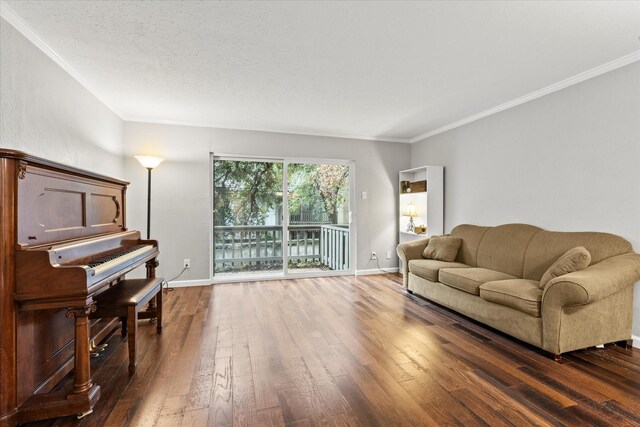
[504, 264]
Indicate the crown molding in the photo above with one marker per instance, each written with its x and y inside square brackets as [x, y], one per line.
[270, 130]
[594, 72]
[9, 15]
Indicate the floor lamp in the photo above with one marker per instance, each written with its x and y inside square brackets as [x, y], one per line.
[149, 162]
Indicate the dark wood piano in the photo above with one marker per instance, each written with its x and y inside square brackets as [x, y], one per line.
[64, 240]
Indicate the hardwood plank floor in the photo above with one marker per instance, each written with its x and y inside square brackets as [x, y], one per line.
[347, 351]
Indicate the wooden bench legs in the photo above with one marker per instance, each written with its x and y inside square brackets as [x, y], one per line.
[156, 317]
[132, 326]
[126, 301]
[131, 322]
[159, 311]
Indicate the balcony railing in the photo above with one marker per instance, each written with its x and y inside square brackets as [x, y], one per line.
[259, 247]
[334, 247]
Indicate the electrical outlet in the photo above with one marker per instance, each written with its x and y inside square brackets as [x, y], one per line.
[388, 254]
[187, 263]
[373, 255]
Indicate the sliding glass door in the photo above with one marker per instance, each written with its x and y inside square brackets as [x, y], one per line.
[247, 217]
[280, 217]
[319, 212]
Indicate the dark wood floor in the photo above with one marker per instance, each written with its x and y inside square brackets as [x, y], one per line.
[348, 351]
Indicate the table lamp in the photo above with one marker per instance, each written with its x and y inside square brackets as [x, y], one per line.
[411, 211]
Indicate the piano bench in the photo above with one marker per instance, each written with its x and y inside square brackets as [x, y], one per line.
[125, 300]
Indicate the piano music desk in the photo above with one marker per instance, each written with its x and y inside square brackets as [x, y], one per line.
[125, 300]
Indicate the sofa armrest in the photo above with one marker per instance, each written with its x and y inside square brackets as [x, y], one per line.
[595, 282]
[408, 251]
[606, 288]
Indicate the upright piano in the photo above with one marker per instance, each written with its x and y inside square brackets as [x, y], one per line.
[63, 240]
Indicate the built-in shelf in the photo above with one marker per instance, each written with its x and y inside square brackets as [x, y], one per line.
[429, 204]
[413, 234]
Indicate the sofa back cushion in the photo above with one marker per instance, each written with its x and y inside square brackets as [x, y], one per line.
[471, 236]
[547, 246]
[503, 248]
[526, 251]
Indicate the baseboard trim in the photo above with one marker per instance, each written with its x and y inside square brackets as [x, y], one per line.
[188, 283]
[265, 278]
[376, 271]
[636, 341]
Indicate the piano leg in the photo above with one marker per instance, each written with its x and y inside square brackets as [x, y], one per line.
[82, 382]
[80, 399]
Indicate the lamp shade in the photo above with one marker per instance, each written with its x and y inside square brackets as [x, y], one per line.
[149, 162]
[410, 210]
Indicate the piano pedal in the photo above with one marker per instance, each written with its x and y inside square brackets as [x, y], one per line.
[84, 414]
[94, 355]
[98, 347]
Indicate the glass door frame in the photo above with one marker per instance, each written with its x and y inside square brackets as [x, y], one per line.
[352, 217]
[286, 273]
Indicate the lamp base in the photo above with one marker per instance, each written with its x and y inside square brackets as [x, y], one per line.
[411, 227]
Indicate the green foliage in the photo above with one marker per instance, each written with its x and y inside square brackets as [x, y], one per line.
[322, 187]
[245, 191]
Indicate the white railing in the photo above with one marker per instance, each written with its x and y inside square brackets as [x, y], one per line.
[334, 246]
[257, 247]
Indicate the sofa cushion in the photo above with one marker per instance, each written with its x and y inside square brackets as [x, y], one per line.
[429, 268]
[520, 294]
[442, 248]
[575, 259]
[470, 279]
[471, 236]
[503, 248]
[547, 246]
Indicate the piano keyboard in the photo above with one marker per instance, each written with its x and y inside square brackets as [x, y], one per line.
[101, 265]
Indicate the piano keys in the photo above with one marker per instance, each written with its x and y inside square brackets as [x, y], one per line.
[115, 260]
[64, 239]
[91, 262]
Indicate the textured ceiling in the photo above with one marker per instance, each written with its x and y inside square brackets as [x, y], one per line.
[391, 70]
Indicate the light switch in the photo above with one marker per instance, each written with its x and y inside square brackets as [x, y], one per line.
[364, 194]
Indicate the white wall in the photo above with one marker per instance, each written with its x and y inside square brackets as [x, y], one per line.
[46, 112]
[181, 193]
[567, 161]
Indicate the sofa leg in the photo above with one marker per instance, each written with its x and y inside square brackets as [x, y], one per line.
[626, 344]
[410, 291]
[557, 357]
